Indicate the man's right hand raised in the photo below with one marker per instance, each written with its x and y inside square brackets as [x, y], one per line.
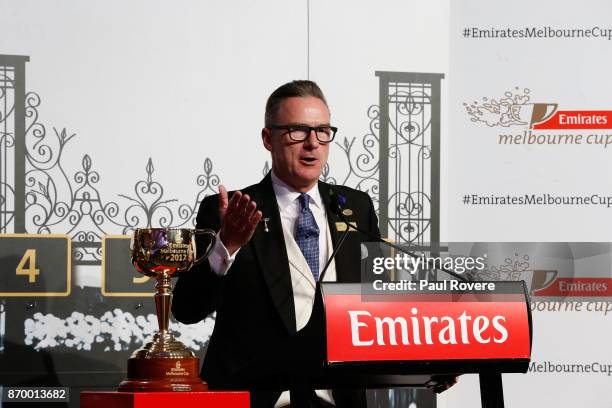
[239, 218]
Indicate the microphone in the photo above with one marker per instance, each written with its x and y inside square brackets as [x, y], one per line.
[333, 255]
[336, 203]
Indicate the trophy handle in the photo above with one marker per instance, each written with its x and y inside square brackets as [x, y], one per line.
[211, 246]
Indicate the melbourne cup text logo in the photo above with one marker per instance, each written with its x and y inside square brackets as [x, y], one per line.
[521, 121]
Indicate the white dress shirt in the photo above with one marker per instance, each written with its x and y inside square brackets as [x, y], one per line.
[289, 206]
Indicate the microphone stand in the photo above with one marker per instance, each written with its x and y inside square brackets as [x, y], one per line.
[337, 209]
[333, 254]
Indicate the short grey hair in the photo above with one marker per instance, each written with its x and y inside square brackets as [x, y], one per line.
[297, 88]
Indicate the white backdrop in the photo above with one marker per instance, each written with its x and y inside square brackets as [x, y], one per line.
[572, 72]
[181, 81]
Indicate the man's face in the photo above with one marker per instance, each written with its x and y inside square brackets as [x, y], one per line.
[299, 164]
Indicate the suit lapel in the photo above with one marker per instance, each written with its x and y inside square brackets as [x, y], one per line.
[272, 254]
[340, 260]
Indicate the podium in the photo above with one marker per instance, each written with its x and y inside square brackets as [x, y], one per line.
[407, 339]
[415, 337]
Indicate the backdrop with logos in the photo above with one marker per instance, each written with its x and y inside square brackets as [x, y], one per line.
[529, 117]
[119, 115]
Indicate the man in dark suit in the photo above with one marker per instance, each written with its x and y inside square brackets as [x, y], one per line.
[274, 240]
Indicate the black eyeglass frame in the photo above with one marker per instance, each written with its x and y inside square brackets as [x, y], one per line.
[309, 129]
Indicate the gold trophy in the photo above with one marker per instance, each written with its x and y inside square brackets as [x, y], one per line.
[165, 364]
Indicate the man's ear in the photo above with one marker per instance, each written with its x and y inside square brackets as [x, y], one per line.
[266, 139]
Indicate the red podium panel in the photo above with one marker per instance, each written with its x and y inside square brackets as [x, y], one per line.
[484, 327]
[208, 399]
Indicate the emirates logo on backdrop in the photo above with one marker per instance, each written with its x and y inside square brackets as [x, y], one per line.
[543, 123]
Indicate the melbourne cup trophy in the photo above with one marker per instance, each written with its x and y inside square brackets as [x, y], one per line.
[165, 364]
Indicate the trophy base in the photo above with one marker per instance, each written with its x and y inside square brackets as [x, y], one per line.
[163, 374]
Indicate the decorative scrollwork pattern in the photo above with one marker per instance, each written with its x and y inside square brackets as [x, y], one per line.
[408, 152]
[59, 203]
[73, 204]
[7, 144]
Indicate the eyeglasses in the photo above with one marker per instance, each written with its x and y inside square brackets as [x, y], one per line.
[299, 133]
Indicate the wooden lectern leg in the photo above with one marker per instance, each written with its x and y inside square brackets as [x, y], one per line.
[491, 391]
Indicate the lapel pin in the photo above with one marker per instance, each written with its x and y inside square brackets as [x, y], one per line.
[347, 211]
[265, 221]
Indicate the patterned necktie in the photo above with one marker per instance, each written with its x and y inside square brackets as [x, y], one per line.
[307, 235]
